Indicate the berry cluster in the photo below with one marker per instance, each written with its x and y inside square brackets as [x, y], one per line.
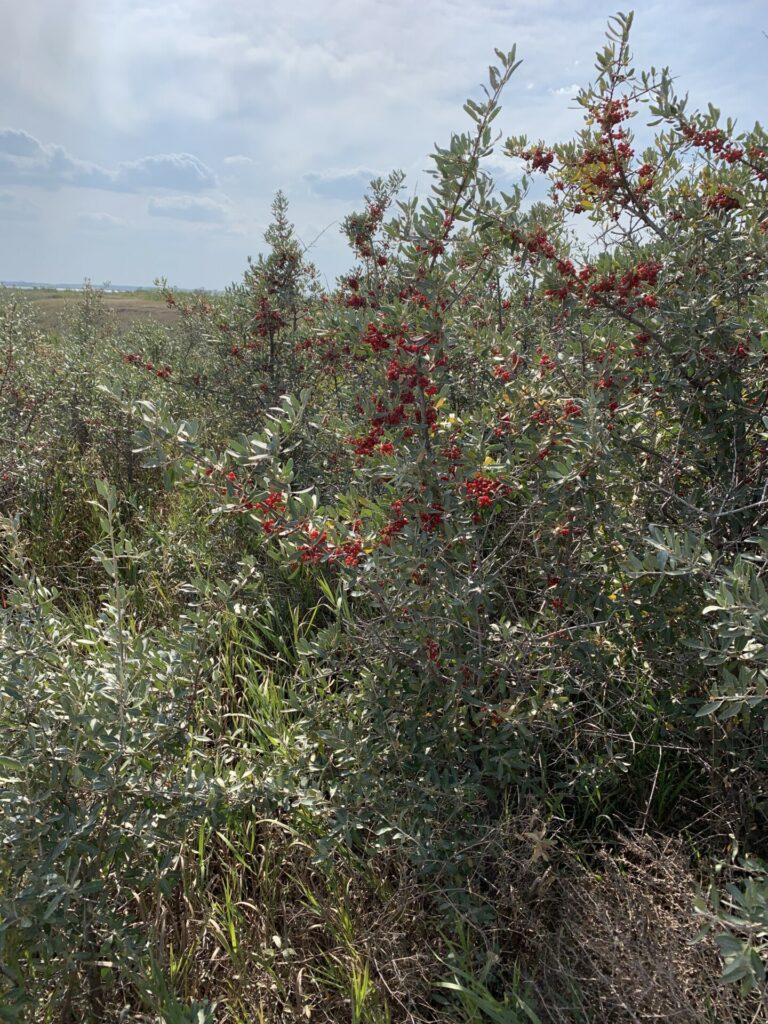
[137, 359]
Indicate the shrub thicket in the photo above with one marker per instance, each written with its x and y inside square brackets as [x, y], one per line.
[364, 653]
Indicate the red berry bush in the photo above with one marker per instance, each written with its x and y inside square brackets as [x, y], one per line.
[425, 582]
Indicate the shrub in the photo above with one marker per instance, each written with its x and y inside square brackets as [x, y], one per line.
[469, 551]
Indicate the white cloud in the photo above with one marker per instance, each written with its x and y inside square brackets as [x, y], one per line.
[25, 160]
[502, 167]
[168, 170]
[238, 170]
[566, 90]
[314, 100]
[191, 208]
[15, 142]
[345, 185]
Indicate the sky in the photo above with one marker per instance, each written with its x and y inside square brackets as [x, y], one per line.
[144, 140]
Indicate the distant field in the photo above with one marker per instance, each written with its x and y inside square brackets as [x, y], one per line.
[127, 306]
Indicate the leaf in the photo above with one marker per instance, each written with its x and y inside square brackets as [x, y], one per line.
[731, 711]
[709, 709]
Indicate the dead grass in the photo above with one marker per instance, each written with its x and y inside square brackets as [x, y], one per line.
[608, 943]
[305, 931]
[617, 948]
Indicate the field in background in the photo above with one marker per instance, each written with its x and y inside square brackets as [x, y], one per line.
[126, 307]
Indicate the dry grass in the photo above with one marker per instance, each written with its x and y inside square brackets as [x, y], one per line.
[618, 949]
[304, 932]
[126, 308]
[609, 943]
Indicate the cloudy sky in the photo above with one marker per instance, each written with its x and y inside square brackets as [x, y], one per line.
[146, 139]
